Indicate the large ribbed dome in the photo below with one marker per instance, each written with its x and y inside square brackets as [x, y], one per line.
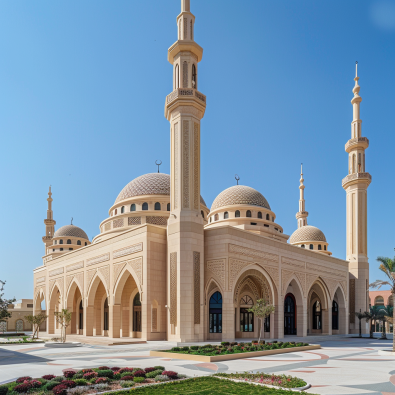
[148, 184]
[72, 231]
[240, 194]
[307, 233]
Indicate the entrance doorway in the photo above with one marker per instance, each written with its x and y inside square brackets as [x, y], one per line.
[289, 315]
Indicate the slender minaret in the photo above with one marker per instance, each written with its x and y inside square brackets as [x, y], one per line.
[356, 185]
[302, 214]
[49, 223]
[184, 108]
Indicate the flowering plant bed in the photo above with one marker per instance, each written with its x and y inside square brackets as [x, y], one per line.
[90, 381]
[263, 378]
[21, 340]
[226, 351]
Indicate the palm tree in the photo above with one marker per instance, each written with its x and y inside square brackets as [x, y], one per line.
[388, 313]
[360, 316]
[373, 314]
[387, 266]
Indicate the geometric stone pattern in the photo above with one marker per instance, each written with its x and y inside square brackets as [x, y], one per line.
[293, 262]
[154, 319]
[312, 267]
[98, 259]
[196, 285]
[118, 223]
[105, 272]
[235, 266]
[128, 250]
[154, 220]
[267, 256]
[116, 270]
[196, 166]
[70, 230]
[40, 280]
[75, 266]
[176, 165]
[137, 266]
[56, 272]
[217, 268]
[185, 186]
[307, 233]
[240, 194]
[147, 184]
[107, 226]
[134, 221]
[302, 279]
[173, 288]
[89, 276]
[286, 276]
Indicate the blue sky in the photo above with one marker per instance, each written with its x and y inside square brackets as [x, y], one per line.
[82, 90]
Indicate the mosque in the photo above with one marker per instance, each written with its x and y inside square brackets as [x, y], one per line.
[166, 267]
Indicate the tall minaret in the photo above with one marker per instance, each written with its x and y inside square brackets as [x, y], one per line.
[356, 185]
[184, 108]
[49, 223]
[302, 214]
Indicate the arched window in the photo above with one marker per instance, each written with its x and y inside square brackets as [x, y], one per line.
[177, 76]
[319, 247]
[311, 246]
[145, 206]
[289, 315]
[194, 79]
[116, 210]
[157, 206]
[211, 219]
[317, 315]
[216, 217]
[226, 215]
[78, 242]
[248, 213]
[60, 241]
[168, 206]
[335, 316]
[237, 214]
[379, 301]
[259, 215]
[272, 219]
[137, 313]
[324, 247]
[105, 318]
[81, 317]
[122, 209]
[70, 249]
[267, 217]
[303, 246]
[68, 241]
[354, 163]
[19, 326]
[56, 242]
[201, 212]
[86, 243]
[246, 317]
[215, 313]
[133, 207]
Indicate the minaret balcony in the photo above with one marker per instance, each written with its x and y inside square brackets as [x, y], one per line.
[184, 46]
[357, 142]
[356, 178]
[184, 96]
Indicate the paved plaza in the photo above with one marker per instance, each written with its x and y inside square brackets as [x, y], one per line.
[344, 365]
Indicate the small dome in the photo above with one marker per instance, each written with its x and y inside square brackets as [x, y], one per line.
[71, 230]
[307, 233]
[148, 184]
[240, 194]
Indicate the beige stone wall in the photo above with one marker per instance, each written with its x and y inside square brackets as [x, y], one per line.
[19, 310]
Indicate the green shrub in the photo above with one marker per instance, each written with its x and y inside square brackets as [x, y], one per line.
[78, 375]
[3, 389]
[162, 377]
[194, 348]
[117, 376]
[175, 349]
[225, 343]
[51, 385]
[81, 382]
[126, 374]
[127, 384]
[185, 348]
[152, 375]
[162, 368]
[233, 343]
[42, 381]
[105, 373]
[59, 379]
[139, 379]
[182, 376]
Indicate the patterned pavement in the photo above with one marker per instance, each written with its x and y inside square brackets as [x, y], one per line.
[344, 365]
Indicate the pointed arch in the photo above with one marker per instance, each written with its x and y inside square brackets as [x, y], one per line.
[97, 279]
[53, 286]
[121, 280]
[322, 289]
[70, 292]
[211, 287]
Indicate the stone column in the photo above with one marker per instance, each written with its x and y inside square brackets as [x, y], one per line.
[89, 319]
[115, 321]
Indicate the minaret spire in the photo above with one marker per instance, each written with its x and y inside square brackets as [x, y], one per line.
[185, 5]
[302, 214]
[356, 185]
[49, 222]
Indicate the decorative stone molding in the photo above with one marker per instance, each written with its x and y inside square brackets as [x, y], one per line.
[213, 285]
[154, 319]
[128, 250]
[322, 270]
[80, 280]
[344, 286]
[185, 153]
[134, 221]
[302, 279]
[176, 165]
[267, 256]
[116, 270]
[235, 267]
[105, 272]
[75, 266]
[217, 268]
[294, 263]
[117, 223]
[196, 166]
[107, 226]
[286, 276]
[56, 272]
[40, 280]
[156, 220]
[310, 279]
[137, 266]
[69, 279]
[89, 276]
[257, 283]
[173, 288]
[98, 259]
[196, 286]
[274, 274]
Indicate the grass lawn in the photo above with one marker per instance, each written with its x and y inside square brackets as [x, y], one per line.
[206, 386]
